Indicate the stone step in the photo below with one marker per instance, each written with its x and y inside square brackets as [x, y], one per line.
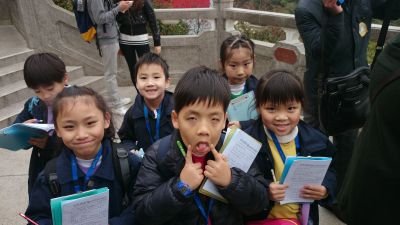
[10, 112]
[15, 58]
[16, 90]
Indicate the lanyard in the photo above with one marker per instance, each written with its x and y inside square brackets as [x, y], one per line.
[146, 117]
[89, 173]
[278, 145]
[201, 207]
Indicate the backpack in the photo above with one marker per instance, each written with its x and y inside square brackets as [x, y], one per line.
[121, 169]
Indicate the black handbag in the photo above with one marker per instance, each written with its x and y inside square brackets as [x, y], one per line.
[344, 101]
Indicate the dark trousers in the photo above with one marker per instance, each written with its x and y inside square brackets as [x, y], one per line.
[131, 54]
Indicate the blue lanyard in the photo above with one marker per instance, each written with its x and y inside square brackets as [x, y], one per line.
[146, 117]
[89, 173]
[201, 207]
[279, 148]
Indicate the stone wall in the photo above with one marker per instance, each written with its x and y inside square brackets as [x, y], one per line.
[4, 12]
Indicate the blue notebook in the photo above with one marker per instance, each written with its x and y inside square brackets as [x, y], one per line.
[242, 108]
[16, 136]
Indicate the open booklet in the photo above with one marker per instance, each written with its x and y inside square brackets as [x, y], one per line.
[242, 108]
[299, 171]
[240, 149]
[89, 207]
[16, 136]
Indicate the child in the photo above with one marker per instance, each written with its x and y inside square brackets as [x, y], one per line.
[279, 99]
[134, 40]
[237, 62]
[45, 74]
[166, 191]
[149, 118]
[83, 122]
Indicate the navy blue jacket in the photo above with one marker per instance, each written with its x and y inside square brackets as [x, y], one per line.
[250, 85]
[158, 200]
[39, 202]
[35, 108]
[133, 132]
[312, 143]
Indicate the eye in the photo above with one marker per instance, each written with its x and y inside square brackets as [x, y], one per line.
[90, 123]
[36, 91]
[142, 78]
[191, 118]
[50, 88]
[68, 127]
[232, 65]
[216, 119]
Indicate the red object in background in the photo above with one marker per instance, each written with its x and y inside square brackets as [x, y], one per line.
[186, 3]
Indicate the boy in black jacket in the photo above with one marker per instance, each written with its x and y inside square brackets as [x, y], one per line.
[166, 190]
[149, 118]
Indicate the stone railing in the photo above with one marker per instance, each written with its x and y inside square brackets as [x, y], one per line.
[48, 27]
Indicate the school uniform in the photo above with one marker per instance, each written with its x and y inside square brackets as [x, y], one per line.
[35, 108]
[311, 143]
[158, 199]
[137, 131]
[104, 176]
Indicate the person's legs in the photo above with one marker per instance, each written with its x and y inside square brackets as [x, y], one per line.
[311, 100]
[110, 64]
[130, 58]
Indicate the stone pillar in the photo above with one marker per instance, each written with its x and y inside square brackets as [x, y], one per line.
[221, 5]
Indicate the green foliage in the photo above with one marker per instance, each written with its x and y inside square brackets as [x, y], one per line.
[270, 34]
[181, 28]
[66, 4]
[371, 51]
[281, 6]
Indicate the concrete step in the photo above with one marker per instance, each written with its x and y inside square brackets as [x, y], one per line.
[16, 90]
[10, 111]
[15, 58]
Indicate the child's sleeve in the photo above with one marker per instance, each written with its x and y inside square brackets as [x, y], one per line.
[25, 114]
[151, 17]
[127, 132]
[157, 199]
[247, 191]
[39, 202]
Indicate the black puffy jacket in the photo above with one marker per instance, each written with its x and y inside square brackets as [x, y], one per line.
[158, 201]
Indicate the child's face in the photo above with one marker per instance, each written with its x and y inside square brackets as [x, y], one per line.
[239, 66]
[280, 119]
[81, 126]
[48, 93]
[151, 82]
[200, 125]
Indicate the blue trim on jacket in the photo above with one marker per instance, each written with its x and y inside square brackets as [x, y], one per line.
[312, 143]
[39, 202]
[133, 127]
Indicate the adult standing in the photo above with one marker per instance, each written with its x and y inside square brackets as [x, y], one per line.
[345, 37]
[103, 13]
[370, 190]
[134, 41]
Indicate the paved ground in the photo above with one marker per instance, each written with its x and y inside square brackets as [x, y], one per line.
[13, 182]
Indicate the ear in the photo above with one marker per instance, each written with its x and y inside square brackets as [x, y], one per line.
[107, 120]
[57, 132]
[175, 122]
[65, 79]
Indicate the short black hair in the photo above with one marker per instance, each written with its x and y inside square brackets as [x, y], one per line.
[201, 84]
[151, 58]
[279, 86]
[75, 92]
[43, 69]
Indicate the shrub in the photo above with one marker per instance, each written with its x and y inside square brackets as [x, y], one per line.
[66, 4]
[270, 34]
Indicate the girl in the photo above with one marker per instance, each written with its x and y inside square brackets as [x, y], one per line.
[279, 100]
[83, 122]
[237, 62]
[134, 41]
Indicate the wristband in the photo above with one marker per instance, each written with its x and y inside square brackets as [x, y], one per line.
[184, 188]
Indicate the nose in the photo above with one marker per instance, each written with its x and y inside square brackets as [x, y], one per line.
[240, 70]
[47, 95]
[150, 82]
[81, 133]
[204, 128]
[281, 116]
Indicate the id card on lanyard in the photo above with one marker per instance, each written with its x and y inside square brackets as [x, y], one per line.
[148, 127]
[89, 173]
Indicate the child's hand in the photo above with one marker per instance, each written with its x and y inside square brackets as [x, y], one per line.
[277, 191]
[218, 170]
[157, 50]
[192, 173]
[315, 192]
[234, 123]
[39, 142]
[31, 121]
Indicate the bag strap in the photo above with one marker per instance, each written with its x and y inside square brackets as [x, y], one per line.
[384, 30]
[50, 172]
[394, 76]
[122, 170]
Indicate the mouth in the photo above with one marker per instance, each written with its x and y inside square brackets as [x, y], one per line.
[281, 127]
[201, 148]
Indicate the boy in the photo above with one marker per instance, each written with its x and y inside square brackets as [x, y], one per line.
[166, 189]
[103, 13]
[149, 118]
[45, 74]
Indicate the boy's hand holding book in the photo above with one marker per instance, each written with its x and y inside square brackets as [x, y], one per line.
[192, 173]
[218, 170]
[314, 192]
[277, 191]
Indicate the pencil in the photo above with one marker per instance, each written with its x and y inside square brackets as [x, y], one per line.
[273, 175]
[180, 146]
[28, 219]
